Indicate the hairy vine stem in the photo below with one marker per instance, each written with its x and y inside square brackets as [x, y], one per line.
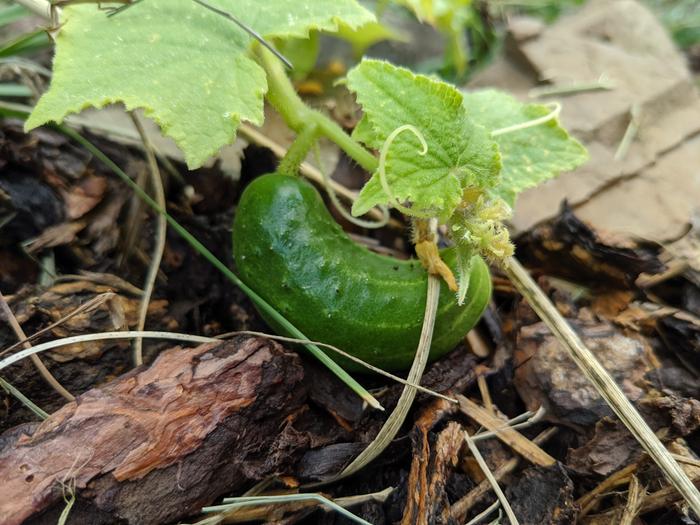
[327, 184]
[297, 152]
[283, 97]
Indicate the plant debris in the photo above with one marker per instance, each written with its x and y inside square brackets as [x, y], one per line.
[615, 246]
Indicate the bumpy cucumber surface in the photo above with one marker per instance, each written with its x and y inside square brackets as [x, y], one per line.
[288, 248]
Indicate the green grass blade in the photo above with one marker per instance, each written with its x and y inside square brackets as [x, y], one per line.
[27, 43]
[38, 412]
[236, 503]
[14, 90]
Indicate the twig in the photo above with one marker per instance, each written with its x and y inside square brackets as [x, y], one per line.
[235, 503]
[662, 498]
[239, 515]
[621, 477]
[477, 344]
[491, 479]
[508, 435]
[602, 84]
[477, 519]
[159, 245]
[524, 420]
[630, 133]
[688, 461]
[37, 411]
[485, 394]
[38, 363]
[601, 380]
[85, 307]
[230, 517]
[656, 500]
[380, 497]
[462, 506]
[635, 496]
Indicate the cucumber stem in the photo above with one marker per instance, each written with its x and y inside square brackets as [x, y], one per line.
[299, 149]
[284, 98]
[350, 146]
[281, 93]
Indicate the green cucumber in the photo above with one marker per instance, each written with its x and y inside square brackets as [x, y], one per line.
[288, 248]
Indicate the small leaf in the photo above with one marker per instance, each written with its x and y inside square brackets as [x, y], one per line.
[367, 35]
[186, 66]
[465, 260]
[478, 226]
[460, 153]
[301, 52]
[530, 155]
[292, 18]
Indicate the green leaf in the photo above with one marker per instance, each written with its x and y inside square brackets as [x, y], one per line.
[459, 155]
[294, 18]
[530, 155]
[367, 35]
[465, 260]
[301, 52]
[186, 66]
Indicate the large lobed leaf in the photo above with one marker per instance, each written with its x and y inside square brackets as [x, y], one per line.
[530, 155]
[460, 153]
[187, 67]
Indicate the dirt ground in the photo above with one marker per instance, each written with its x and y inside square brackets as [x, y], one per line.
[614, 245]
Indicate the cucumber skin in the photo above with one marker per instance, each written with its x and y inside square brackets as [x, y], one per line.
[290, 250]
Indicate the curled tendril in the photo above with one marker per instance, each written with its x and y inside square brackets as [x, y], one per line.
[553, 114]
[394, 201]
[339, 206]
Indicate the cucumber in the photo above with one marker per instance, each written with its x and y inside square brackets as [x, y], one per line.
[288, 248]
